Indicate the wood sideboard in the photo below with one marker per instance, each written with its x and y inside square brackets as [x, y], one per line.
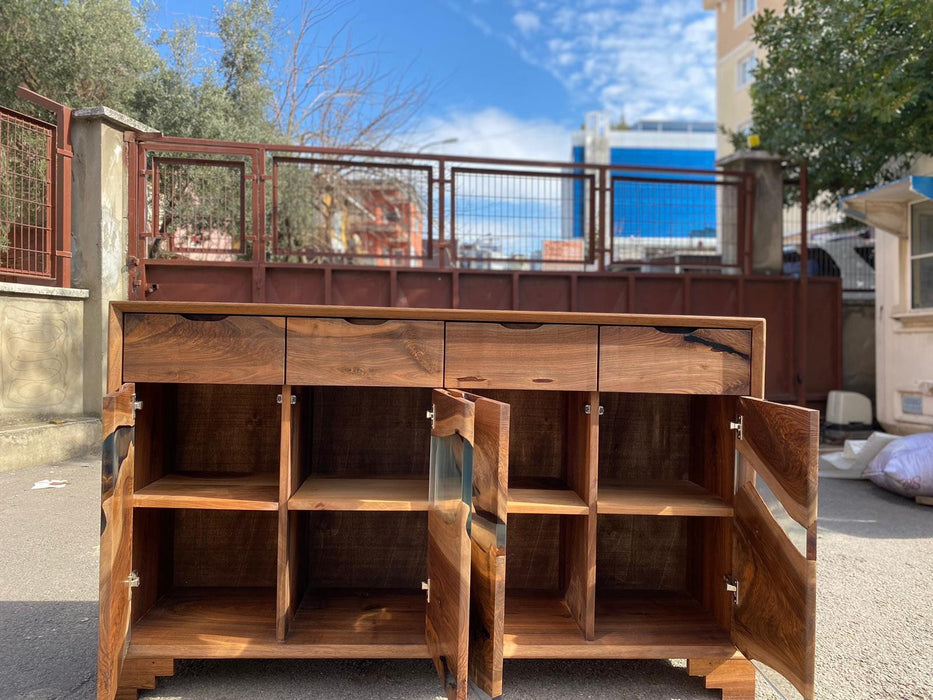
[467, 486]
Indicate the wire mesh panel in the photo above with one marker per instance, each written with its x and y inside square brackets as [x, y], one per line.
[679, 222]
[518, 219]
[836, 245]
[26, 196]
[351, 211]
[199, 209]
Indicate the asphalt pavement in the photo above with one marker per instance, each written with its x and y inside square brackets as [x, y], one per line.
[874, 614]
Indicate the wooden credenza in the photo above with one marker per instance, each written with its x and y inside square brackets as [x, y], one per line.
[466, 486]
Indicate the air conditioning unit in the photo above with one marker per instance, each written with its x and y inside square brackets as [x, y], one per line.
[848, 408]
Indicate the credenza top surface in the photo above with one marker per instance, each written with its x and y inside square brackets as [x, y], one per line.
[387, 312]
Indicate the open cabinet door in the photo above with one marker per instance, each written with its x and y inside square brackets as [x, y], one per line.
[774, 618]
[116, 537]
[487, 543]
[449, 516]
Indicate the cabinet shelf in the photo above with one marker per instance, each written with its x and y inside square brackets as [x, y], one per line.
[224, 622]
[374, 494]
[661, 497]
[211, 491]
[636, 625]
[546, 502]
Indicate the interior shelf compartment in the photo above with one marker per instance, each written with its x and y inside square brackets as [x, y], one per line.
[546, 578]
[547, 451]
[214, 491]
[356, 584]
[206, 580]
[666, 454]
[369, 433]
[203, 446]
[660, 497]
[333, 493]
[659, 585]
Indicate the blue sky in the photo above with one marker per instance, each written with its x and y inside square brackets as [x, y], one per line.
[514, 77]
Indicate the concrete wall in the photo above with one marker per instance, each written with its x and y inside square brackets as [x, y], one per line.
[858, 346]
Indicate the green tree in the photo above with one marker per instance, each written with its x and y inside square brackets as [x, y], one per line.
[848, 86]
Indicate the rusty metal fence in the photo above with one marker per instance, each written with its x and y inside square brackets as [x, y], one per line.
[35, 196]
[266, 204]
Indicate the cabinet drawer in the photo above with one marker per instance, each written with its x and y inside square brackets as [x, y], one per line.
[364, 352]
[675, 360]
[202, 348]
[521, 356]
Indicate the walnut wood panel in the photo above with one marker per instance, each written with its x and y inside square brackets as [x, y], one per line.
[660, 498]
[225, 428]
[370, 432]
[224, 548]
[635, 552]
[211, 491]
[782, 444]
[116, 537]
[774, 619]
[675, 360]
[735, 677]
[497, 356]
[638, 625]
[334, 493]
[290, 458]
[191, 348]
[447, 618]
[488, 542]
[546, 502]
[365, 352]
[114, 349]
[202, 623]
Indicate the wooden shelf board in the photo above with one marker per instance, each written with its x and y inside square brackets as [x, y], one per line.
[546, 501]
[327, 493]
[202, 623]
[221, 491]
[659, 498]
[638, 625]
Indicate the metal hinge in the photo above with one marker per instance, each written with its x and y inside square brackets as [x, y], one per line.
[293, 401]
[737, 426]
[430, 415]
[426, 587]
[587, 409]
[732, 586]
[133, 580]
[137, 406]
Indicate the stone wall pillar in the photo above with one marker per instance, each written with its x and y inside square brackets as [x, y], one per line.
[99, 231]
[768, 220]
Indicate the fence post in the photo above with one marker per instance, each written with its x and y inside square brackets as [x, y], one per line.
[100, 225]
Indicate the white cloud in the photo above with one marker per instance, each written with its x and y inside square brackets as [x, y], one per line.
[527, 22]
[495, 133]
[641, 58]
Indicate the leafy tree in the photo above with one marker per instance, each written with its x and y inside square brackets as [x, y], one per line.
[848, 86]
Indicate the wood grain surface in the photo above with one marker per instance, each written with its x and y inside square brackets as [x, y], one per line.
[496, 356]
[734, 677]
[546, 501]
[679, 497]
[449, 553]
[341, 352]
[191, 348]
[782, 444]
[116, 538]
[674, 360]
[334, 493]
[775, 618]
[211, 491]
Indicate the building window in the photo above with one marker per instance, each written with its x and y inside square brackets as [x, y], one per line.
[921, 257]
[744, 8]
[744, 70]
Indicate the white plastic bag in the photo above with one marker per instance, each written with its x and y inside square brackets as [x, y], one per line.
[905, 466]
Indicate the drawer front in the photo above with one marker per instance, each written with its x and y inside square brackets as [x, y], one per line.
[521, 356]
[200, 348]
[675, 360]
[363, 352]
